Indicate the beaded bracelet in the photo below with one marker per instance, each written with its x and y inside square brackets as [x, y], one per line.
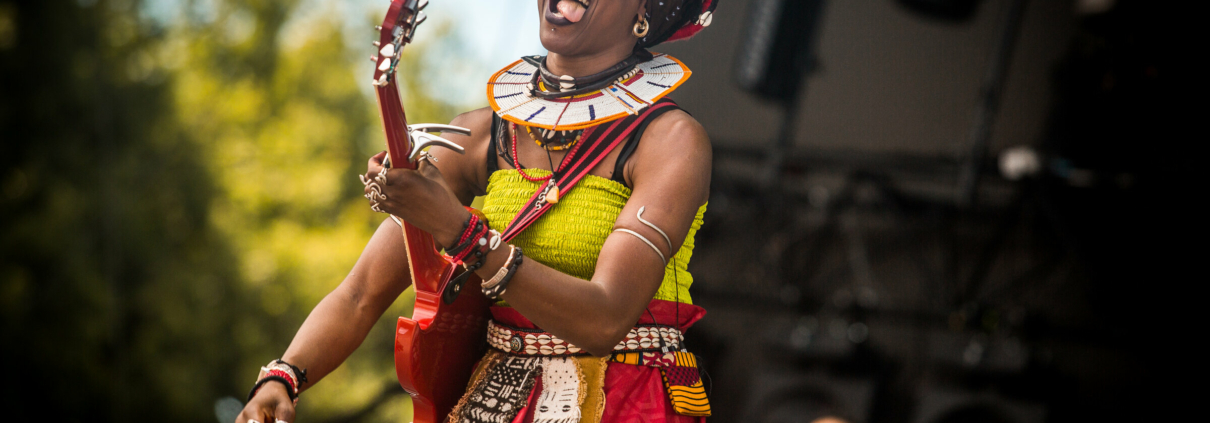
[483, 243]
[281, 372]
[467, 227]
[274, 378]
[472, 227]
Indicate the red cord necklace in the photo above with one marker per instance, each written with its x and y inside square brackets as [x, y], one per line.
[551, 193]
[512, 129]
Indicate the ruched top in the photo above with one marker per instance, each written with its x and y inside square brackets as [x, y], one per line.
[569, 237]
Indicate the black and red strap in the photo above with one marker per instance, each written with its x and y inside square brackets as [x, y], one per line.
[598, 142]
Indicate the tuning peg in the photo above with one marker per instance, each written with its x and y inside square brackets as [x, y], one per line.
[374, 59]
[386, 64]
[378, 27]
[420, 17]
[376, 44]
[387, 50]
[422, 5]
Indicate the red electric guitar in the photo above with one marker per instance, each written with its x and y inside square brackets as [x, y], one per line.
[435, 350]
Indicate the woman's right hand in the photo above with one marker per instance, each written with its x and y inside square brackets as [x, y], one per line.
[271, 404]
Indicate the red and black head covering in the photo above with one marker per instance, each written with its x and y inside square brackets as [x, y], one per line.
[672, 20]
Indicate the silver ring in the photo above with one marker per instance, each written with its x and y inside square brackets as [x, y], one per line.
[382, 177]
[374, 196]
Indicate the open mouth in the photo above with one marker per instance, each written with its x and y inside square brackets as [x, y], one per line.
[565, 12]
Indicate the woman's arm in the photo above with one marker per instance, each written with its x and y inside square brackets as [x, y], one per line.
[340, 322]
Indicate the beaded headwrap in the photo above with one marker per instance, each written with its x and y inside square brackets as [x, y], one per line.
[673, 20]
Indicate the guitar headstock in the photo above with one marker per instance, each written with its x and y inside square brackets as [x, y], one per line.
[395, 32]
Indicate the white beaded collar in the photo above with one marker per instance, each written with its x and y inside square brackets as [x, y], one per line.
[508, 93]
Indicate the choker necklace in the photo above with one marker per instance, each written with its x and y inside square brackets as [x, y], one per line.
[519, 94]
[567, 85]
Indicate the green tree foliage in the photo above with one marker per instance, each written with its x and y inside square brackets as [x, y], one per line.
[175, 199]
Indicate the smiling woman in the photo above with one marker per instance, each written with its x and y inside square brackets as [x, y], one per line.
[594, 184]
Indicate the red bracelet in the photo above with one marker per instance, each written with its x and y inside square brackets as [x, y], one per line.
[466, 233]
[293, 383]
[474, 243]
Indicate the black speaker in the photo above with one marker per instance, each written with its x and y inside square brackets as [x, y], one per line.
[778, 47]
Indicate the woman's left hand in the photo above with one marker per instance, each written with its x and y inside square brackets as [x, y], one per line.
[419, 197]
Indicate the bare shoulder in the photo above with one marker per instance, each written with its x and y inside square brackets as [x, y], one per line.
[674, 145]
[676, 133]
[479, 121]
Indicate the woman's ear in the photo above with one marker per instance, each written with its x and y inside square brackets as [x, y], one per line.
[642, 9]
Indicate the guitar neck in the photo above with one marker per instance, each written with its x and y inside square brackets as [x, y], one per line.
[395, 32]
[395, 126]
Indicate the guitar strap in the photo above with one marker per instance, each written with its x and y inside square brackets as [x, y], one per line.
[598, 142]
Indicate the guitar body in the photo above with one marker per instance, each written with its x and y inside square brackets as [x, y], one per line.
[435, 350]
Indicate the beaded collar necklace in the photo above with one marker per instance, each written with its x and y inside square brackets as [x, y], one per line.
[546, 84]
[554, 109]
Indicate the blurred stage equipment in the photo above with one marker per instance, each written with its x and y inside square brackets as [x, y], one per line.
[989, 103]
[775, 55]
[778, 49]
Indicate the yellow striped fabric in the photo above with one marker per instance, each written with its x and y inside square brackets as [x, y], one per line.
[687, 400]
[569, 237]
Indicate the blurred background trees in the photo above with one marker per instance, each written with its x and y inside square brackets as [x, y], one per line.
[178, 192]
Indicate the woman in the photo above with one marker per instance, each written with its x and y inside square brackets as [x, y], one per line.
[593, 293]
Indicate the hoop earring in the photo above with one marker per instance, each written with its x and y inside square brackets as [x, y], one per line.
[641, 27]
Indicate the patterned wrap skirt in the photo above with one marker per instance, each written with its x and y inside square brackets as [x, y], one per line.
[626, 387]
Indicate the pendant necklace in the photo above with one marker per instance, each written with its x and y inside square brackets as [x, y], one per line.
[550, 193]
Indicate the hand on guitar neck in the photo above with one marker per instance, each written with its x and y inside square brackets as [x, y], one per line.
[420, 197]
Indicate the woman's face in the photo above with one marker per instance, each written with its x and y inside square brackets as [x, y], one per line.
[584, 27]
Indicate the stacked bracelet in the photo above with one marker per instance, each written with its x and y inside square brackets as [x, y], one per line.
[493, 288]
[281, 372]
[474, 235]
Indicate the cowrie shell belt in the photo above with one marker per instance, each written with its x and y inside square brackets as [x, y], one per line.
[539, 343]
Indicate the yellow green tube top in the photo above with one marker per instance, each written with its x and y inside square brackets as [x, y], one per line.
[569, 237]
